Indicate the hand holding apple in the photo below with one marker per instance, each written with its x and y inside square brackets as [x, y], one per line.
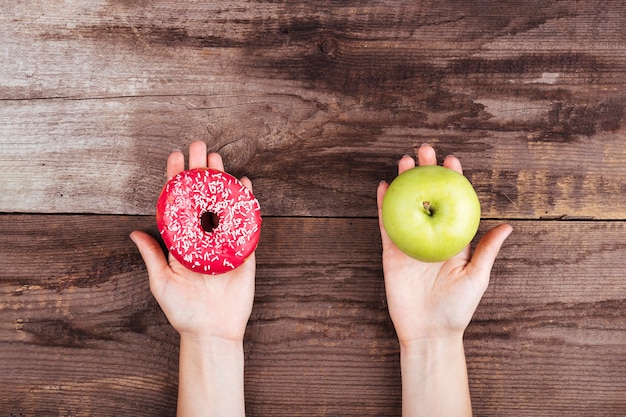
[429, 299]
[431, 303]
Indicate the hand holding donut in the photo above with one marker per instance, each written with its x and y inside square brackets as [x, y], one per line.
[198, 305]
[209, 311]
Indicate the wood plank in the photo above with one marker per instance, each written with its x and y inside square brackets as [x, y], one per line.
[314, 102]
[99, 48]
[90, 165]
[80, 333]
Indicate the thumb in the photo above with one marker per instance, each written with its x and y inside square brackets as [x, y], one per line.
[487, 250]
[152, 255]
[380, 196]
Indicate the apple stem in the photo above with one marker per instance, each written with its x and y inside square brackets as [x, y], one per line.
[426, 205]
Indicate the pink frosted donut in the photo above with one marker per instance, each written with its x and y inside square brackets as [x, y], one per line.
[209, 221]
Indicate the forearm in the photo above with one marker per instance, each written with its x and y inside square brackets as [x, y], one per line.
[211, 379]
[434, 378]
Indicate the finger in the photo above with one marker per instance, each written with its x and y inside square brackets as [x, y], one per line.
[175, 163]
[197, 155]
[405, 164]
[426, 155]
[487, 250]
[453, 162]
[215, 161]
[153, 257]
[246, 181]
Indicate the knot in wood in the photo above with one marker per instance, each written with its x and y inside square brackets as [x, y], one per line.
[328, 46]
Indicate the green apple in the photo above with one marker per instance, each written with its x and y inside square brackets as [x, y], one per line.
[431, 212]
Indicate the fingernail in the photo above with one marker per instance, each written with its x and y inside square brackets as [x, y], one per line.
[424, 144]
[403, 156]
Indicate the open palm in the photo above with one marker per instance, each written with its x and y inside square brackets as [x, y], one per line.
[431, 300]
[199, 305]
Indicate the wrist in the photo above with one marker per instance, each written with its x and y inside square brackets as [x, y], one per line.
[211, 346]
[427, 348]
[211, 377]
[434, 377]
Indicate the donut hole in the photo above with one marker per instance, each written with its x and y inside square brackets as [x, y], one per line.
[209, 221]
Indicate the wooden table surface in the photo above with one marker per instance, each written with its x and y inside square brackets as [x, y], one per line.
[315, 101]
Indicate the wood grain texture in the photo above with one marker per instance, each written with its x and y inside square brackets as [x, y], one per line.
[314, 101]
[80, 333]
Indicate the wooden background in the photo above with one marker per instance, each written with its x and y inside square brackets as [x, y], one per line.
[315, 101]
